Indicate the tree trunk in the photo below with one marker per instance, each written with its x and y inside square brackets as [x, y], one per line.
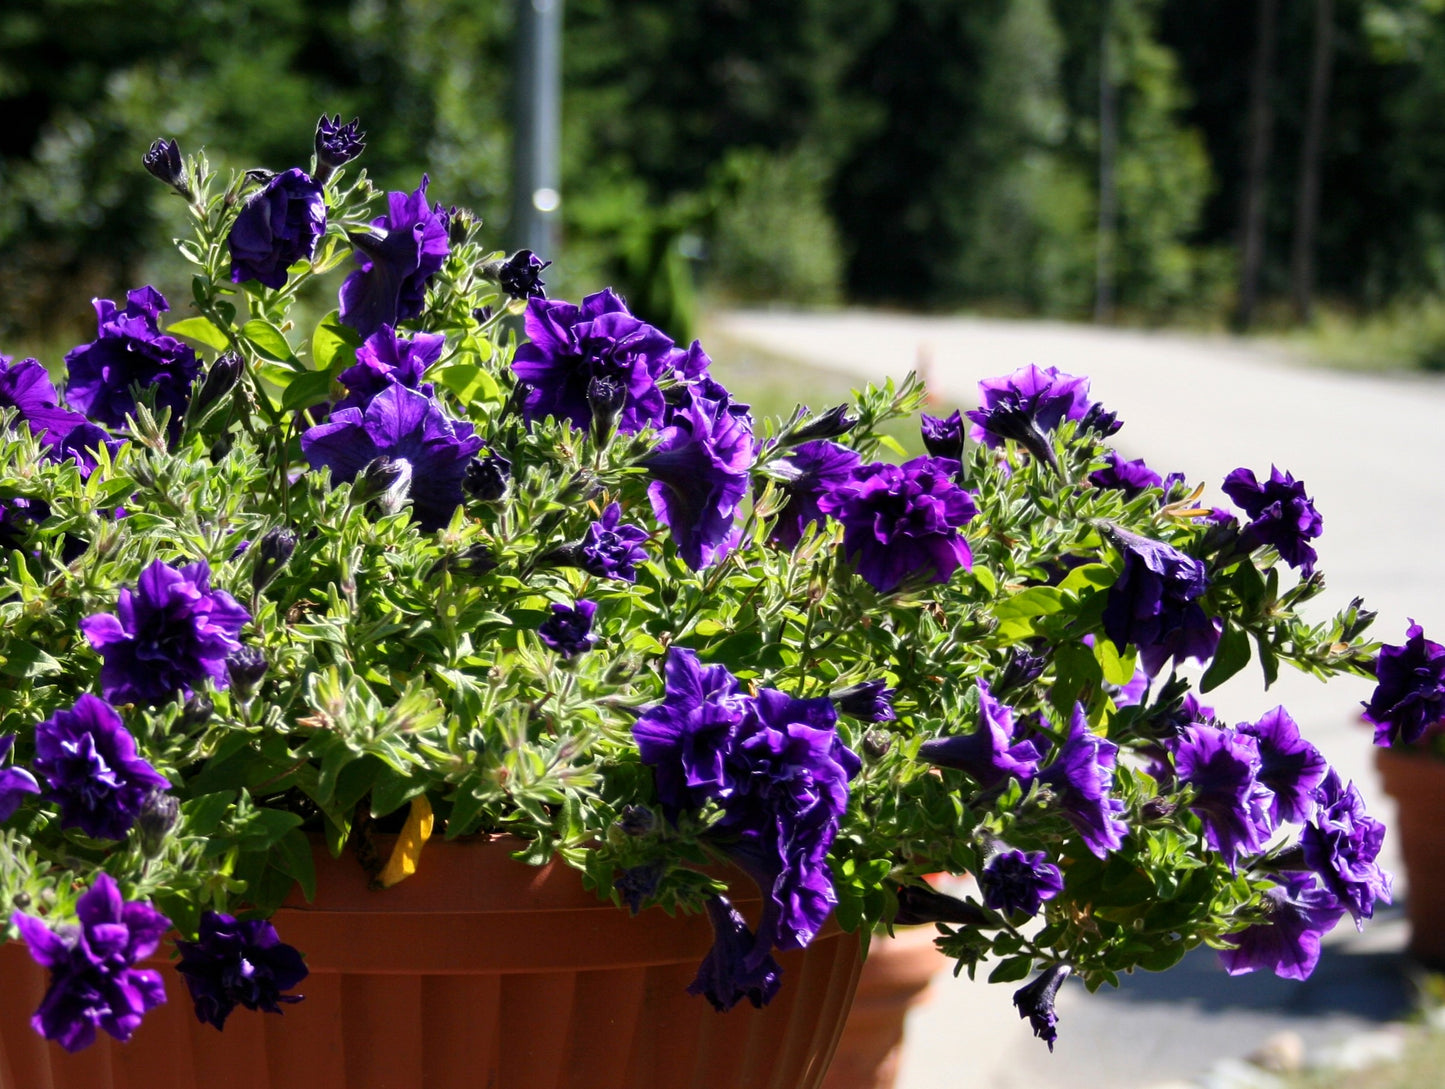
[1108, 145]
[1307, 205]
[1256, 176]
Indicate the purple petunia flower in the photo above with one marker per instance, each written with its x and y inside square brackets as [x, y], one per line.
[806, 474]
[699, 471]
[1129, 477]
[130, 350]
[278, 227]
[400, 424]
[1341, 845]
[520, 276]
[336, 144]
[942, 436]
[902, 522]
[990, 754]
[1018, 882]
[93, 983]
[571, 346]
[1081, 777]
[26, 387]
[385, 358]
[1289, 765]
[170, 634]
[1035, 1002]
[408, 247]
[871, 701]
[1044, 397]
[1281, 515]
[89, 762]
[611, 550]
[15, 783]
[568, 630]
[1300, 912]
[238, 963]
[1409, 698]
[1223, 767]
[729, 973]
[1154, 604]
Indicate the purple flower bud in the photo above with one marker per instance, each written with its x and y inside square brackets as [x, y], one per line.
[336, 145]
[605, 397]
[196, 712]
[163, 162]
[520, 275]
[1035, 1002]
[487, 477]
[568, 631]
[1018, 882]
[238, 963]
[221, 378]
[871, 701]
[637, 820]
[277, 546]
[277, 228]
[918, 905]
[156, 819]
[1100, 420]
[943, 436]
[246, 668]
[825, 425]
[638, 883]
[1020, 671]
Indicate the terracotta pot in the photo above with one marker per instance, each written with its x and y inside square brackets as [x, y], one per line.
[895, 978]
[1417, 783]
[477, 972]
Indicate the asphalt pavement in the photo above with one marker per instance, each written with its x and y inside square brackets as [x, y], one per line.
[1369, 449]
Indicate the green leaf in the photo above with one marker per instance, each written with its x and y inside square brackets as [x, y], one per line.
[1034, 601]
[1118, 669]
[203, 814]
[1097, 576]
[26, 661]
[469, 382]
[269, 342]
[265, 827]
[292, 856]
[1012, 970]
[333, 342]
[1268, 659]
[200, 329]
[1229, 659]
[306, 390]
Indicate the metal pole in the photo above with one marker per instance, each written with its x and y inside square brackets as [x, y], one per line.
[536, 178]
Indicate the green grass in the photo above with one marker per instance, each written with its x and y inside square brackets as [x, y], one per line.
[1420, 1067]
[1405, 337]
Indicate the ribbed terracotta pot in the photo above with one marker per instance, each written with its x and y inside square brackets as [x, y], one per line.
[477, 972]
[1417, 783]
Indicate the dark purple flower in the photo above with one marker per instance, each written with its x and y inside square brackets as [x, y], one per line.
[1099, 419]
[1129, 477]
[278, 227]
[1018, 882]
[401, 424]
[636, 884]
[407, 248]
[1081, 777]
[1300, 911]
[130, 350]
[1223, 767]
[805, 475]
[93, 983]
[901, 522]
[163, 162]
[385, 358]
[570, 346]
[1035, 1002]
[26, 387]
[1045, 397]
[990, 754]
[1020, 671]
[15, 783]
[686, 737]
[1154, 604]
[238, 963]
[91, 769]
[171, 633]
[942, 436]
[1409, 698]
[825, 425]
[611, 550]
[1341, 845]
[1289, 765]
[729, 973]
[568, 630]
[699, 471]
[871, 701]
[918, 905]
[520, 275]
[1281, 515]
[336, 144]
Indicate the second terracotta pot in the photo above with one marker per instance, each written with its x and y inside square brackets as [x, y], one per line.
[477, 972]
[1417, 783]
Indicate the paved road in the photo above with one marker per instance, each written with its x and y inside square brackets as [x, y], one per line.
[1370, 451]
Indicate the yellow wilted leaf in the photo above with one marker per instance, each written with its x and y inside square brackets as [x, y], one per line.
[407, 852]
